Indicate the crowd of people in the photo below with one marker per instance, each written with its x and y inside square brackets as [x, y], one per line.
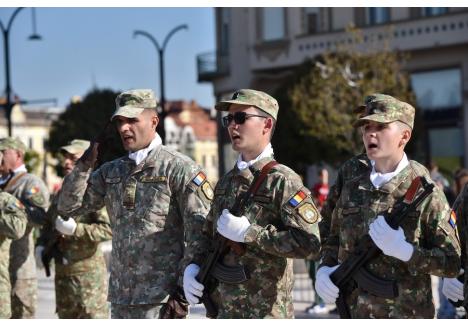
[177, 242]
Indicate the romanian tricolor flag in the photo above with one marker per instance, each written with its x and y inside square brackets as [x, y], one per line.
[33, 190]
[453, 219]
[297, 198]
[198, 180]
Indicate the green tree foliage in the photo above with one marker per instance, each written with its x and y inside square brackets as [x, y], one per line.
[85, 120]
[319, 101]
[32, 160]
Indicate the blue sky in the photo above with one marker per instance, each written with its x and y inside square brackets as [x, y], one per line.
[82, 46]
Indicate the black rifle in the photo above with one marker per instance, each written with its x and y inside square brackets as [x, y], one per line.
[352, 270]
[213, 270]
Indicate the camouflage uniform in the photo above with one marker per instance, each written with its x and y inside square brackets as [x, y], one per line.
[154, 208]
[13, 221]
[460, 208]
[283, 226]
[81, 273]
[31, 191]
[436, 249]
[351, 168]
[81, 276]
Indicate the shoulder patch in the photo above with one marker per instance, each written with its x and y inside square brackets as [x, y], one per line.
[35, 196]
[15, 204]
[199, 178]
[207, 190]
[297, 198]
[453, 219]
[33, 190]
[309, 213]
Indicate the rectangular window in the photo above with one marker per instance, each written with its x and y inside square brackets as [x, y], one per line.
[273, 24]
[434, 11]
[440, 89]
[378, 15]
[312, 20]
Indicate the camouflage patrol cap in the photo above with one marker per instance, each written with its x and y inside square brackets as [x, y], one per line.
[12, 143]
[131, 103]
[76, 146]
[251, 97]
[385, 109]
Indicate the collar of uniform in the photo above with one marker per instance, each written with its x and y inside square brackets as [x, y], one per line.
[149, 161]
[389, 187]
[364, 159]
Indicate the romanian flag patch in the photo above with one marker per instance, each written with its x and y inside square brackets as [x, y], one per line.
[198, 180]
[453, 219]
[34, 190]
[297, 198]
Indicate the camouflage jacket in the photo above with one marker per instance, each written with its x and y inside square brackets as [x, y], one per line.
[13, 223]
[350, 169]
[460, 208]
[283, 226]
[31, 191]
[153, 208]
[79, 251]
[436, 249]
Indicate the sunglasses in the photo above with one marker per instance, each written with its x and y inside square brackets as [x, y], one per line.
[239, 118]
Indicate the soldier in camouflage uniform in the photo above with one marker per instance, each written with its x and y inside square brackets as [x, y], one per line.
[32, 192]
[80, 268]
[13, 221]
[452, 288]
[425, 244]
[278, 224]
[349, 170]
[157, 199]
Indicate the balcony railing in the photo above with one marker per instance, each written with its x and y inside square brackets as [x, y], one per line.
[212, 65]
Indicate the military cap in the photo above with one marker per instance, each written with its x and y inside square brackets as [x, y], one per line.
[131, 103]
[12, 143]
[76, 146]
[385, 109]
[251, 97]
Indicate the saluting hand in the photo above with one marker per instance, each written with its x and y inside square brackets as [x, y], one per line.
[391, 242]
[232, 227]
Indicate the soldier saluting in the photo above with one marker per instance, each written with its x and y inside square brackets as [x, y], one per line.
[157, 200]
[425, 244]
[278, 224]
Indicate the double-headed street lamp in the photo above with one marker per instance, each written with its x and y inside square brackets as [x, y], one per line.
[162, 114]
[6, 41]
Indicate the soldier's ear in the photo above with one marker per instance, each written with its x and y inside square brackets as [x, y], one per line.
[406, 136]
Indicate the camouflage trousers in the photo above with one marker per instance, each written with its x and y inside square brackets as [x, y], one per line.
[82, 295]
[5, 305]
[24, 299]
[143, 311]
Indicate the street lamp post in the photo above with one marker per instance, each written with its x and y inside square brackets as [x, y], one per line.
[6, 46]
[162, 115]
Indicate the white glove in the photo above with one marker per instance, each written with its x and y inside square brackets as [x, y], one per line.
[38, 255]
[453, 289]
[324, 286]
[232, 227]
[65, 227]
[391, 242]
[192, 288]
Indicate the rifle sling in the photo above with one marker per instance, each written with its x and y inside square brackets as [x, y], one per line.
[13, 181]
[242, 200]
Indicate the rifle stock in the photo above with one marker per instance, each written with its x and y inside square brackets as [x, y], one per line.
[223, 245]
